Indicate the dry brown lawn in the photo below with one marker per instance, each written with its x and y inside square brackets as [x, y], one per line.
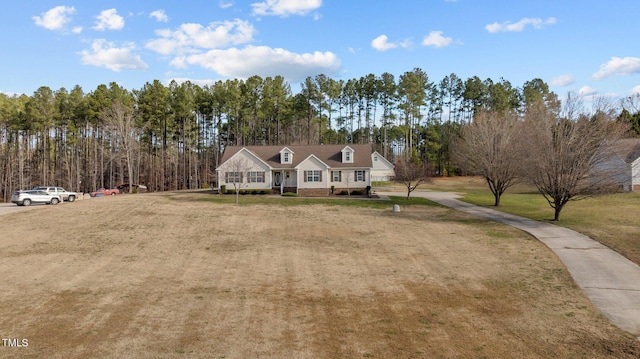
[168, 276]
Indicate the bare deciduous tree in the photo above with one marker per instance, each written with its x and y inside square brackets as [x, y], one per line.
[235, 171]
[563, 154]
[120, 122]
[348, 179]
[487, 146]
[411, 172]
[632, 103]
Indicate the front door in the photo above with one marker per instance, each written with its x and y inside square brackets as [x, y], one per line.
[284, 180]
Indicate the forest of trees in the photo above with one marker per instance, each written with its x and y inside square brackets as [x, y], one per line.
[172, 137]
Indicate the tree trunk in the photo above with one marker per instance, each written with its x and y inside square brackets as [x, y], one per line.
[556, 213]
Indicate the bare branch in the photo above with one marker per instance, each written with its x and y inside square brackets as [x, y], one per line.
[411, 173]
[487, 147]
[564, 157]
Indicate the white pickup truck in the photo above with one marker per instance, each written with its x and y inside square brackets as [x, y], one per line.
[64, 194]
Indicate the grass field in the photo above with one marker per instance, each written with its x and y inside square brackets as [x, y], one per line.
[188, 275]
[610, 219]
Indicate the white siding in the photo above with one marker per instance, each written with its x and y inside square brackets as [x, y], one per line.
[382, 169]
[348, 178]
[635, 172]
[313, 164]
[245, 162]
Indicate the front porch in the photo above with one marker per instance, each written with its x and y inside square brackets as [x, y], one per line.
[284, 181]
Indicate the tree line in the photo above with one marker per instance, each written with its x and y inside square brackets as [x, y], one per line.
[172, 136]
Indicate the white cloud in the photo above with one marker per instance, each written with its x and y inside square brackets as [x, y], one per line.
[225, 5]
[618, 66]
[562, 80]
[381, 43]
[10, 94]
[199, 82]
[109, 20]
[436, 39]
[285, 8]
[106, 54]
[508, 26]
[635, 90]
[189, 38]
[263, 61]
[159, 15]
[77, 30]
[55, 18]
[587, 91]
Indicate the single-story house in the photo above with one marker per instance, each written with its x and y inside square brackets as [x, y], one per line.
[311, 170]
[624, 164]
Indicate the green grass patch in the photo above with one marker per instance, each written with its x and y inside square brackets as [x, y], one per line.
[610, 219]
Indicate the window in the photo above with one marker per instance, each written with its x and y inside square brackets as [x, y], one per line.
[233, 177]
[336, 176]
[286, 155]
[256, 177]
[313, 176]
[375, 158]
[359, 175]
[347, 156]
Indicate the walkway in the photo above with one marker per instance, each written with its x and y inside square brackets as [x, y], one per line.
[609, 280]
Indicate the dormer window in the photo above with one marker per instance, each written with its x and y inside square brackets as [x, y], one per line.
[286, 156]
[347, 155]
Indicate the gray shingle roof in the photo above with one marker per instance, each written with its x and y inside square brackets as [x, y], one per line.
[329, 154]
[628, 149]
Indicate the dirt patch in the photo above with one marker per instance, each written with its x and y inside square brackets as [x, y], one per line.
[148, 276]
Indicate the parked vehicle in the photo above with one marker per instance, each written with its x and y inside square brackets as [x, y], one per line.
[26, 198]
[105, 192]
[61, 192]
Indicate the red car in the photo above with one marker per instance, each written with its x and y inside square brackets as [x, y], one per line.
[105, 192]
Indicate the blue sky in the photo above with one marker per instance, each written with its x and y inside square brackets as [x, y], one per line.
[588, 47]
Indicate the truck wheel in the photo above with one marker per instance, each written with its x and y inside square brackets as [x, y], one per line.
[72, 198]
[54, 201]
[26, 202]
[113, 193]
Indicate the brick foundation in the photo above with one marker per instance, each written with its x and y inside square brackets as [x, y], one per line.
[313, 192]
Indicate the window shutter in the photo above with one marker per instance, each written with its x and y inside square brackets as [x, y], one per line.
[340, 176]
[355, 176]
[305, 176]
[320, 175]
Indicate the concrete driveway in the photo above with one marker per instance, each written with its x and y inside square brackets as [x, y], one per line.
[609, 280]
